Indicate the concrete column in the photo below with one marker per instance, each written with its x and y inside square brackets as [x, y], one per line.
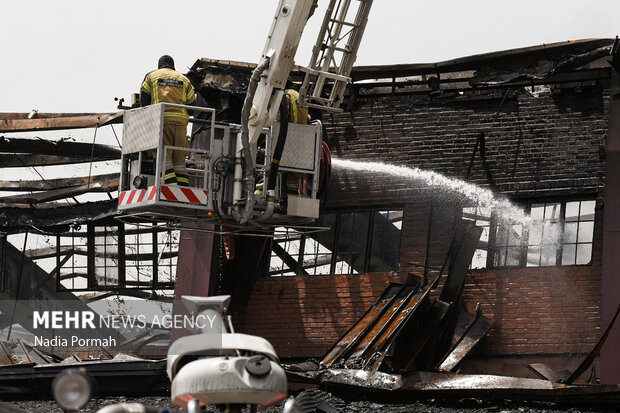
[193, 267]
[610, 356]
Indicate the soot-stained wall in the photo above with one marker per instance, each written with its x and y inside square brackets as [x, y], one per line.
[538, 148]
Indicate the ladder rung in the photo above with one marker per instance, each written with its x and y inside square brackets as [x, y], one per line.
[334, 53]
[325, 108]
[344, 22]
[325, 101]
[329, 75]
[340, 49]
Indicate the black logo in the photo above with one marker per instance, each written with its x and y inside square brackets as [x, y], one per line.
[170, 83]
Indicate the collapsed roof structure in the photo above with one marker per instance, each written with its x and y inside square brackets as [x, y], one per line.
[462, 103]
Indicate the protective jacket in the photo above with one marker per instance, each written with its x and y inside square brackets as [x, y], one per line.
[297, 114]
[169, 86]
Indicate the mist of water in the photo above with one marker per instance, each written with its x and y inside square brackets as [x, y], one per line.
[479, 196]
[505, 211]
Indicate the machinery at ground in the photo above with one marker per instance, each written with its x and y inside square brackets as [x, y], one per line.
[260, 171]
[220, 367]
[216, 366]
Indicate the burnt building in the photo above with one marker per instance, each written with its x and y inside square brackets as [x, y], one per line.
[521, 143]
[531, 126]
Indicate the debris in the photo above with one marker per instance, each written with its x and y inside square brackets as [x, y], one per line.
[547, 373]
[26, 160]
[566, 376]
[474, 334]
[358, 338]
[20, 122]
[56, 194]
[410, 347]
[122, 374]
[416, 330]
[375, 380]
[594, 353]
[12, 218]
[403, 317]
[104, 181]
[423, 384]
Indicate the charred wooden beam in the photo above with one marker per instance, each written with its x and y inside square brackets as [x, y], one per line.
[58, 148]
[147, 256]
[48, 252]
[387, 322]
[384, 342]
[20, 122]
[467, 314]
[134, 231]
[358, 330]
[587, 362]
[57, 194]
[476, 332]
[287, 258]
[72, 275]
[464, 244]
[135, 283]
[149, 284]
[430, 324]
[112, 285]
[547, 373]
[106, 180]
[22, 160]
[147, 295]
[13, 217]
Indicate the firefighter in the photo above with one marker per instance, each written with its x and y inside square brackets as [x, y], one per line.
[297, 114]
[166, 85]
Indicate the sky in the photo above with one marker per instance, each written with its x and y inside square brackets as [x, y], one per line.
[78, 55]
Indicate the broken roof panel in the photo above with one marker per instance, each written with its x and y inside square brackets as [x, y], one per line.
[105, 181]
[56, 194]
[12, 218]
[22, 122]
[58, 148]
[554, 54]
[535, 63]
[26, 160]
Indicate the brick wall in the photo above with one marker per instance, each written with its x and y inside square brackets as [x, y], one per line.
[553, 310]
[303, 316]
[542, 148]
[546, 142]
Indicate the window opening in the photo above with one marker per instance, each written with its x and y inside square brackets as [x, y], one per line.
[356, 242]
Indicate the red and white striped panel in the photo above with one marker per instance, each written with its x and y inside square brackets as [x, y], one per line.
[136, 196]
[168, 193]
[184, 194]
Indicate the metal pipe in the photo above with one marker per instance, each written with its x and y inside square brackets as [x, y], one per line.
[272, 179]
[231, 329]
[238, 175]
[269, 206]
[245, 140]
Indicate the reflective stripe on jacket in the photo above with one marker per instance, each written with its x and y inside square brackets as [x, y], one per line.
[169, 86]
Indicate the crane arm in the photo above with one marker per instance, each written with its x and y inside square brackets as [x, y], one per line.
[280, 48]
